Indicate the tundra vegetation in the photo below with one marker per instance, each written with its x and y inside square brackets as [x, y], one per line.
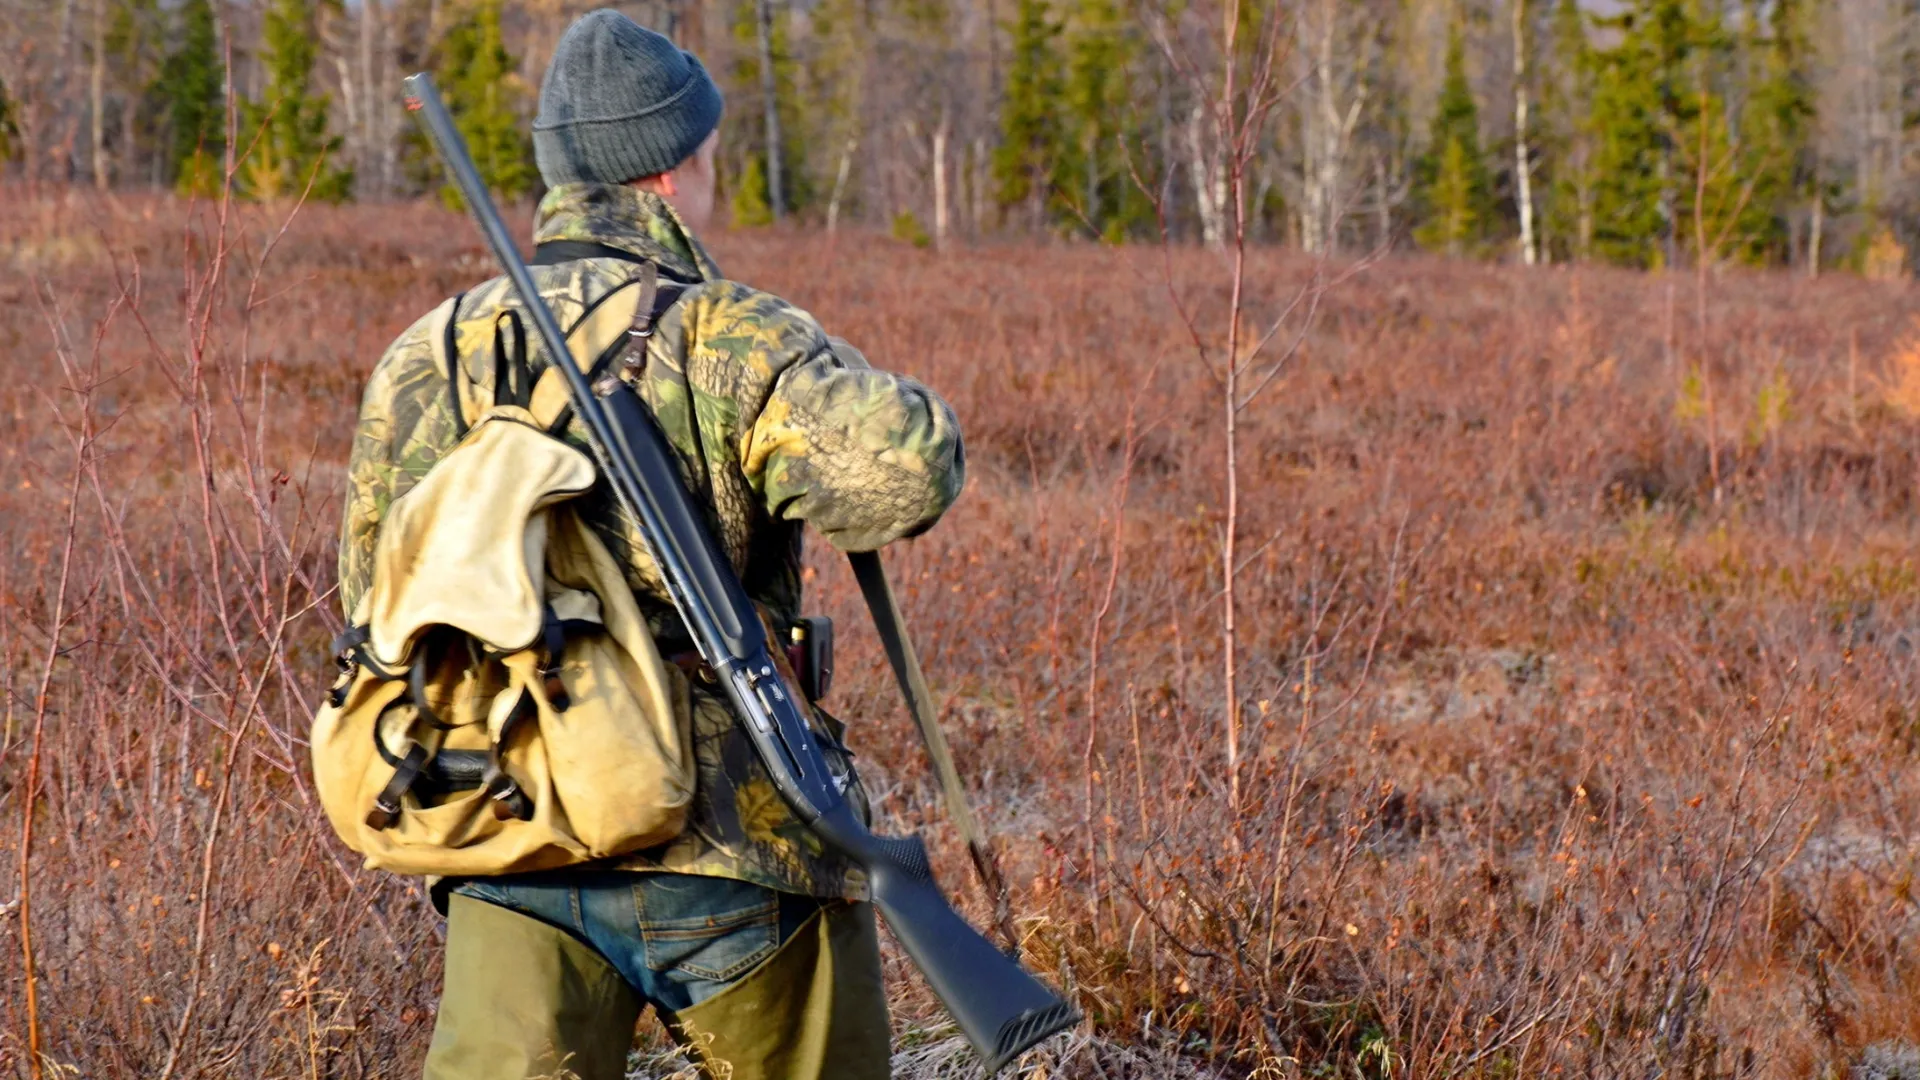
[1369, 663]
[1556, 755]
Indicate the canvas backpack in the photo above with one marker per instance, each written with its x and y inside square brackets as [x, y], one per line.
[501, 705]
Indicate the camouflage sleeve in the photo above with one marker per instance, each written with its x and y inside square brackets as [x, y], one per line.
[405, 425]
[864, 456]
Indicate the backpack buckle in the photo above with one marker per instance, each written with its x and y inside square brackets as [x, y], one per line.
[509, 802]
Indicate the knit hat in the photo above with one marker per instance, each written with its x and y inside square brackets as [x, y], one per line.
[620, 102]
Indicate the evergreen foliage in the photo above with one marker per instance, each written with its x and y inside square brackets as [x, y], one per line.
[1659, 132]
[750, 205]
[1777, 127]
[1096, 187]
[483, 92]
[8, 131]
[192, 96]
[1643, 115]
[1030, 124]
[1455, 190]
[291, 145]
[1565, 138]
[835, 84]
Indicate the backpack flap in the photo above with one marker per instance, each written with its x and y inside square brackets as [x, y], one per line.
[465, 546]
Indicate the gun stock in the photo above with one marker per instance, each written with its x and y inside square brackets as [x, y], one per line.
[1001, 1009]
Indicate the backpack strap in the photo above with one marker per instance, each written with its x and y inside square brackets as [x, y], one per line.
[615, 334]
[440, 338]
[512, 378]
[386, 805]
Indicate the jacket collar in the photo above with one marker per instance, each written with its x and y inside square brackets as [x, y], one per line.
[622, 217]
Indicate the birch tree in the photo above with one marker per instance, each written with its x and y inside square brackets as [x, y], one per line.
[1522, 142]
[1334, 40]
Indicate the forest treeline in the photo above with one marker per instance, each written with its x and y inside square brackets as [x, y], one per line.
[1638, 132]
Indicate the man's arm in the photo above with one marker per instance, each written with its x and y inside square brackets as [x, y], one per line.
[864, 456]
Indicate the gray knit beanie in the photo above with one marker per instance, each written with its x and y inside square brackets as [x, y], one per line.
[620, 102]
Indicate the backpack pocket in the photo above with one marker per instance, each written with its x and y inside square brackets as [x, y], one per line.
[502, 707]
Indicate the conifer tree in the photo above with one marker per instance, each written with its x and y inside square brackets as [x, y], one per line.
[1643, 111]
[1714, 169]
[191, 94]
[1776, 128]
[484, 94]
[749, 204]
[290, 120]
[1455, 192]
[1030, 128]
[8, 132]
[1566, 139]
[1093, 179]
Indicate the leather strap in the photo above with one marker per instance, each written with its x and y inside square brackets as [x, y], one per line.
[553, 635]
[892, 628]
[386, 805]
[448, 335]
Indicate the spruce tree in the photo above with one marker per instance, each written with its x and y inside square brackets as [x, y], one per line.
[8, 132]
[1643, 117]
[484, 94]
[1093, 180]
[1454, 188]
[1030, 128]
[1567, 136]
[288, 125]
[1776, 128]
[190, 91]
[749, 204]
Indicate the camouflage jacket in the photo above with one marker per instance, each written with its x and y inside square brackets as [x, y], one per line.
[774, 425]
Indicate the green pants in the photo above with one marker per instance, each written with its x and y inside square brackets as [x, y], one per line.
[525, 999]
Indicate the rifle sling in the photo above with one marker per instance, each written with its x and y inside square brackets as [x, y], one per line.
[892, 628]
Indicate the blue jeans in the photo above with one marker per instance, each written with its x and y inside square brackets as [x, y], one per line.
[677, 939]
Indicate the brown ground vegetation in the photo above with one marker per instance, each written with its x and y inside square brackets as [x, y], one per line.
[1578, 652]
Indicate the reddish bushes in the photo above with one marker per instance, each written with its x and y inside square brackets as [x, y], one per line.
[1555, 762]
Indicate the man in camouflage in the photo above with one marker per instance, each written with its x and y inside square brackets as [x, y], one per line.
[755, 944]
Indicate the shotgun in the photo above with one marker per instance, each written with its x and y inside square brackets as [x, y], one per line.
[1000, 1008]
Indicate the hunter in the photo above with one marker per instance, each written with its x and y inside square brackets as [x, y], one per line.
[756, 948]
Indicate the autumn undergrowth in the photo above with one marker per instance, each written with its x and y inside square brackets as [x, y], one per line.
[1552, 763]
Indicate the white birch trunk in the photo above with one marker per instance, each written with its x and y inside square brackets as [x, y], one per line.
[63, 95]
[367, 156]
[97, 90]
[940, 202]
[1207, 203]
[1813, 240]
[1325, 128]
[1522, 152]
[770, 101]
[840, 185]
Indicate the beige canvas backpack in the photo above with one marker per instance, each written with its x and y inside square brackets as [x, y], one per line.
[501, 705]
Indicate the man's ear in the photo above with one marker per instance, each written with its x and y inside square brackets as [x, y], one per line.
[667, 186]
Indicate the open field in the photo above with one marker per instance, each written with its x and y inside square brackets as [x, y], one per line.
[1580, 684]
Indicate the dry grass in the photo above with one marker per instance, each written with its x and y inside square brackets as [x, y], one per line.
[1556, 764]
